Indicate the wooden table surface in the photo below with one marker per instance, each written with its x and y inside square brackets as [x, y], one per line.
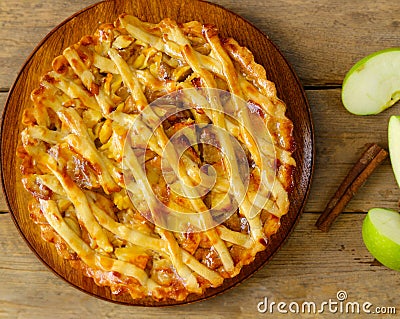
[321, 39]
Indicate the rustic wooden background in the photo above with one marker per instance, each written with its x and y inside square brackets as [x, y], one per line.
[321, 39]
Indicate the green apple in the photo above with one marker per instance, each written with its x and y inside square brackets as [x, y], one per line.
[381, 235]
[394, 145]
[373, 83]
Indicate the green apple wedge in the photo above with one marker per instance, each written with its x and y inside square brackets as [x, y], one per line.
[381, 235]
[373, 83]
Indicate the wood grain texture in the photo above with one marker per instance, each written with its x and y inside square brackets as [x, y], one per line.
[341, 138]
[321, 39]
[338, 144]
[308, 259]
[313, 35]
[33, 20]
[86, 22]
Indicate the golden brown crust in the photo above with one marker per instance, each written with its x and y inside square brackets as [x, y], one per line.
[72, 157]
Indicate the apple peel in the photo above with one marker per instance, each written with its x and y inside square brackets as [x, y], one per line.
[381, 235]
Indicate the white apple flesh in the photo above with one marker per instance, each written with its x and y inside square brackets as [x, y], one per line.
[381, 235]
[373, 84]
[394, 145]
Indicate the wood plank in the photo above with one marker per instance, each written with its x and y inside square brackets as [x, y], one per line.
[82, 24]
[23, 25]
[340, 138]
[316, 42]
[337, 259]
[321, 39]
[339, 143]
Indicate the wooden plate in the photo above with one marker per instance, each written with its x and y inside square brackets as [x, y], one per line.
[86, 22]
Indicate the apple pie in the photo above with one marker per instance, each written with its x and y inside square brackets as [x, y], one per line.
[158, 157]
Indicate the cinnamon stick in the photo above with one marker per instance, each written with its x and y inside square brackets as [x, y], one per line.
[356, 177]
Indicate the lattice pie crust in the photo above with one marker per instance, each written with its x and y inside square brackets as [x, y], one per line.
[72, 152]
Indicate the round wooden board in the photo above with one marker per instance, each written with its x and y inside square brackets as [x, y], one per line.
[86, 22]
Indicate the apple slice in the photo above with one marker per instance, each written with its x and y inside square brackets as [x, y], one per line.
[373, 83]
[394, 145]
[381, 235]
